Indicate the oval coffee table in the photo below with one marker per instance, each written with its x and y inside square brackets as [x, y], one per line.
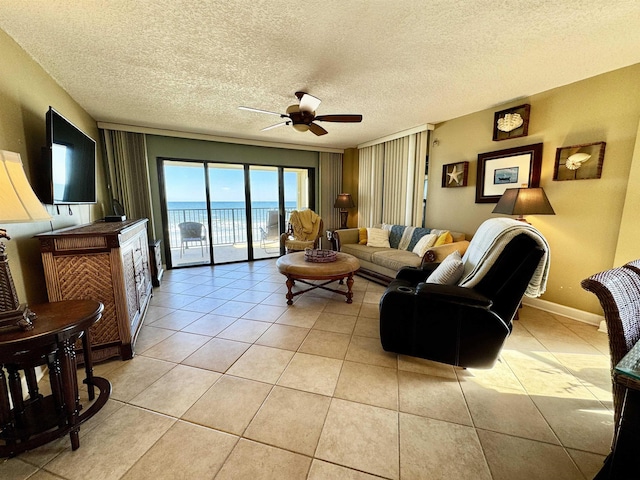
[295, 267]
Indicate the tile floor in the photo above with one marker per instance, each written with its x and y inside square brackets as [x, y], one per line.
[230, 383]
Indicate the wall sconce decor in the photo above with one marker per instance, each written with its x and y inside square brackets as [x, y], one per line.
[455, 175]
[344, 201]
[19, 205]
[524, 201]
[511, 123]
[579, 162]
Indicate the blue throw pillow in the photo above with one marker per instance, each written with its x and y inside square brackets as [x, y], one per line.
[395, 235]
[418, 233]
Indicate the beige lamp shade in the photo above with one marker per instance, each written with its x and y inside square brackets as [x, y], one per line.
[524, 201]
[18, 203]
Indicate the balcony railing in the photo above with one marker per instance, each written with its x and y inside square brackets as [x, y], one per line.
[228, 225]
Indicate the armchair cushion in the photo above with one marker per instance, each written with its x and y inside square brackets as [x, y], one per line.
[449, 271]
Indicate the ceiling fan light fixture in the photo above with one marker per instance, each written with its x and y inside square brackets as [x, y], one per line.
[301, 127]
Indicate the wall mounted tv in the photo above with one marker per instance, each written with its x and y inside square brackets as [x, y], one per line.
[68, 175]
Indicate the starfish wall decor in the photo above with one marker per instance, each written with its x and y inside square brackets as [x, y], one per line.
[455, 174]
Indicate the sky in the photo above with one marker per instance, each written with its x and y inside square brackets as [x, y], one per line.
[186, 184]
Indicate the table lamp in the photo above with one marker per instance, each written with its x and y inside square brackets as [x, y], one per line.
[18, 204]
[524, 201]
[344, 201]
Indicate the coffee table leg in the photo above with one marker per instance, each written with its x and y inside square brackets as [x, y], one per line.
[349, 285]
[290, 284]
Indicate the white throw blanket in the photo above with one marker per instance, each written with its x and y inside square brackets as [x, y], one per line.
[487, 244]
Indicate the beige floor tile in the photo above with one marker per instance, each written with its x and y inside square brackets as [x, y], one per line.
[290, 419]
[588, 463]
[342, 307]
[135, 375]
[335, 322]
[244, 330]
[267, 286]
[177, 347]
[512, 457]
[264, 364]
[367, 327]
[265, 313]
[217, 354]
[579, 423]
[276, 299]
[209, 324]
[326, 344]
[185, 451]
[506, 411]
[368, 384]
[299, 317]
[171, 300]
[255, 461]
[369, 350]
[204, 304]
[109, 450]
[428, 367]
[225, 293]
[344, 440]
[370, 310]
[500, 376]
[16, 469]
[310, 302]
[372, 298]
[176, 391]
[312, 373]
[43, 475]
[176, 320]
[229, 405]
[440, 450]
[155, 312]
[150, 336]
[327, 471]
[233, 308]
[432, 397]
[252, 296]
[283, 336]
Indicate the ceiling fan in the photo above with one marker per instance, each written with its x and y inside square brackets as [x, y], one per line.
[303, 115]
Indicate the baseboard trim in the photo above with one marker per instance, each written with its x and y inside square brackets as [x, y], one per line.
[573, 313]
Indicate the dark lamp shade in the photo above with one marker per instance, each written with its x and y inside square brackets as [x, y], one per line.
[344, 200]
[524, 201]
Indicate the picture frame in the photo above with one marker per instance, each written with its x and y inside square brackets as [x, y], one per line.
[579, 162]
[455, 175]
[510, 168]
[511, 123]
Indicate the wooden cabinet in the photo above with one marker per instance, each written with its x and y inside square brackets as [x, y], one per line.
[103, 261]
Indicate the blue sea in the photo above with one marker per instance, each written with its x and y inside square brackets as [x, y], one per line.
[225, 205]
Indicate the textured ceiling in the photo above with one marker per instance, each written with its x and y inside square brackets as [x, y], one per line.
[187, 65]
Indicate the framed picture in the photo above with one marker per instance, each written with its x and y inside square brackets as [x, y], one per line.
[455, 175]
[510, 168]
[511, 123]
[579, 162]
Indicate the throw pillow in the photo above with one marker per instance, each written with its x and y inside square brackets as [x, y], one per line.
[443, 239]
[362, 236]
[424, 244]
[449, 271]
[377, 237]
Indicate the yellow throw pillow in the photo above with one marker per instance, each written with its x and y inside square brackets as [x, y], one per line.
[443, 239]
[362, 236]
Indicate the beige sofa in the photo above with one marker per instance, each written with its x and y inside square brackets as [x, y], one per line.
[382, 264]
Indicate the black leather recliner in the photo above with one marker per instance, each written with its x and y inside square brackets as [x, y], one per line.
[456, 325]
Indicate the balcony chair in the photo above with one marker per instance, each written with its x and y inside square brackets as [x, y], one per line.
[460, 311]
[304, 231]
[618, 291]
[270, 234]
[192, 232]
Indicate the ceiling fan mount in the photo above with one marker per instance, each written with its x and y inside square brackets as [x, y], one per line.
[303, 115]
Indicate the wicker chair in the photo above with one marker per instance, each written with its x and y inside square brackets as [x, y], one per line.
[618, 291]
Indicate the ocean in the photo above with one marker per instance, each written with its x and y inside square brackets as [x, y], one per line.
[225, 205]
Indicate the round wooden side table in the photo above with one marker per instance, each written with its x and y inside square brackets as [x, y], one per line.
[38, 419]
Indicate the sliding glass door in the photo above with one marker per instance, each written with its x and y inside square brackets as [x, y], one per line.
[235, 212]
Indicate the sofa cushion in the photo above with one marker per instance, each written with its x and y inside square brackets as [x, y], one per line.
[377, 237]
[396, 259]
[449, 271]
[424, 244]
[361, 252]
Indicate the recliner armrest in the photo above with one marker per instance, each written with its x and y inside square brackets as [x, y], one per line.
[454, 294]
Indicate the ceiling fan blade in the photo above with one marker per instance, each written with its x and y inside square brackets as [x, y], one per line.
[251, 109]
[308, 103]
[339, 118]
[281, 124]
[317, 129]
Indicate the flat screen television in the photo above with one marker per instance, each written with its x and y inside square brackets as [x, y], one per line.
[68, 175]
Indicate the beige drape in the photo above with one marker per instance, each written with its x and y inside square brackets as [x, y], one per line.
[128, 173]
[391, 181]
[330, 172]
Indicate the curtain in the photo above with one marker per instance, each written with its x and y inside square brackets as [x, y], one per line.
[330, 186]
[391, 181]
[128, 173]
